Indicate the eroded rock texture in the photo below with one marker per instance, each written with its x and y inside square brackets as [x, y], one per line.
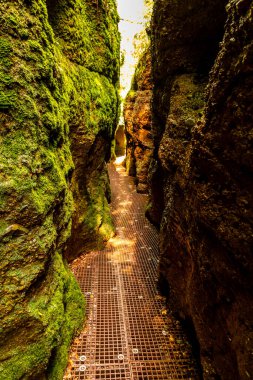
[120, 141]
[137, 115]
[202, 176]
[58, 107]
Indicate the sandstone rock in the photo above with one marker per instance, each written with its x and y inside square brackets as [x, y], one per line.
[205, 168]
[137, 115]
[120, 141]
[58, 107]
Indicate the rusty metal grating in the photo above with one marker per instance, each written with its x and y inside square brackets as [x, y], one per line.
[129, 333]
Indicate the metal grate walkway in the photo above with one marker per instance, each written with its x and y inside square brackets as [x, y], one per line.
[129, 333]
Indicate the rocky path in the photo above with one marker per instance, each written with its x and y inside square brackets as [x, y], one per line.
[129, 333]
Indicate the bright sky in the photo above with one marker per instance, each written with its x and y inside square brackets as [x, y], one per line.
[133, 11]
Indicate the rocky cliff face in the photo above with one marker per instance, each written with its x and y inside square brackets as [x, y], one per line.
[58, 109]
[202, 177]
[137, 115]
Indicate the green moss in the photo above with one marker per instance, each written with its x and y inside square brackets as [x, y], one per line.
[5, 48]
[3, 226]
[113, 147]
[7, 96]
[74, 312]
[139, 71]
[7, 99]
[56, 312]
[97, 219]
[58, 92]
[88, 34]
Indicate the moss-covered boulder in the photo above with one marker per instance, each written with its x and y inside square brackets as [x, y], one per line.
[58, 111]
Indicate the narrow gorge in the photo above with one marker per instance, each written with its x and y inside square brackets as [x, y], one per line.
[188, 128]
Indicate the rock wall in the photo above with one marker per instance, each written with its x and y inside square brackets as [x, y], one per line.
[88, 36]
[58, 111]
[120, 141]
[137, 115]
[201, 176]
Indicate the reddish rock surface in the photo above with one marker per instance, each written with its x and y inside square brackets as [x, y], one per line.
[203, 161]
[120, 141]
[137, 114]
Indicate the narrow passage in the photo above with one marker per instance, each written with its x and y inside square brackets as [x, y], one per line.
[129, 333]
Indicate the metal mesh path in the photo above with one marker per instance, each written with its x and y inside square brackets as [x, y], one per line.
[129, 333]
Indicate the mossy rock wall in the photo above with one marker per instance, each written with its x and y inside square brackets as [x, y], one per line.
[58, 111]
